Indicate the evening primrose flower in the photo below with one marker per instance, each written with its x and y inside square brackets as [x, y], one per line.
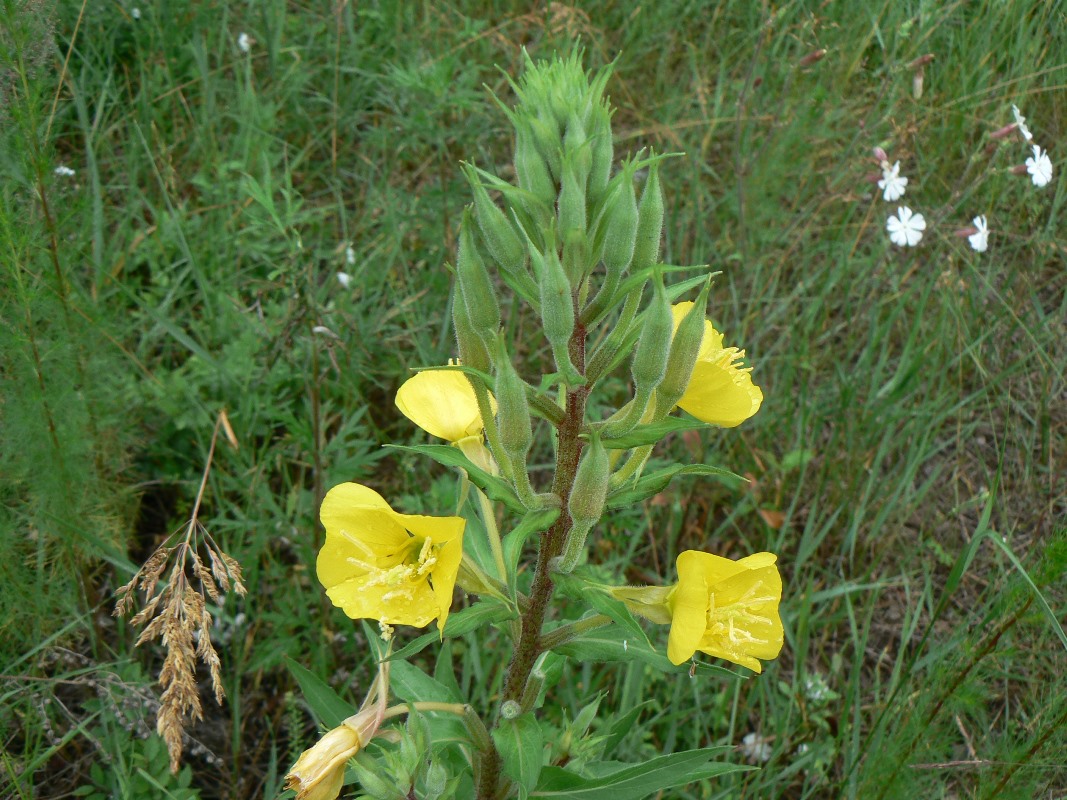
[892, 184]
[1040, 167]
[443, 403]
[721, 391]
[399, 569]
[905, 229]
[319, 773]
[727, 609]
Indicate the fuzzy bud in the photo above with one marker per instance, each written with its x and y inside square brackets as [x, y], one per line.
[501, 240]
[590, 489]
[812, 57]
[602, 152]
[546, 137]
[653, 346]
[483, 308]
[649, 222]
[620, 236]
[472, 350]
[557, 305]
[571, 198]
[530, 166]
[513, 411]
[685, 348]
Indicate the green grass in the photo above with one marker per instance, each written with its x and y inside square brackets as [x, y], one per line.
[912, 438]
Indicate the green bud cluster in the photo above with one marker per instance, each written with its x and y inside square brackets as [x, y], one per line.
[580, 243]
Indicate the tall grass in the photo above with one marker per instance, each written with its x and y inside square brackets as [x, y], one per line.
[907, 465]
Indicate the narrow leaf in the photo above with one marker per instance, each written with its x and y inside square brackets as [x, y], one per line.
[330, 708]
[494, 487]
[630, 493]
[521, 746]
[652, 433]
[459, 623]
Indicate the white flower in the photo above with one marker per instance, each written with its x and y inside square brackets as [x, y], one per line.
[1039, 167]
[1020, 120]
[344, 279]
[892, 183]
[64, 172]
[244, 42]
[135, 12]
[905, 229]
[350, 256]
[980, 240]
[755, 748]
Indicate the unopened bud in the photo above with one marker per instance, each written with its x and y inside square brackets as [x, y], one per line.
[685, 348]
[513, 411]
[620, 235]
[501, 240]
[590, 489]
[880, 155]
[472, 350]
[557, 305]
[483, 309]
[654, 345]
[576, 145]
[917, 84]
[1006, 131]
[921, 61]
[649, 222]
[963, 233]
[812, 57]
[546, 136]
[571, 198]
[530, 166]
[602, 152]
[1019, 169]
[576, 259]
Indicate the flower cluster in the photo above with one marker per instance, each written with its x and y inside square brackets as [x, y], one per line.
[906, 227]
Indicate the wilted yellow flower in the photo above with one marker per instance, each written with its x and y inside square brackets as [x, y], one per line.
[443, 403]
[399, 569]
[319, 773]
[727, 609]
[720, 392]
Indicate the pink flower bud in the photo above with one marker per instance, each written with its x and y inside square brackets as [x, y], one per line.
[880, 155]
[1001, 133]
[963, 233]
[1019, 169]
[921, 61]
[812, 57]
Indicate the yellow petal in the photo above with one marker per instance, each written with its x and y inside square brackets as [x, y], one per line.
[442, 403]
[720, 392]
[744, 622]
[404, 603]
[689, 608]
[444, 577]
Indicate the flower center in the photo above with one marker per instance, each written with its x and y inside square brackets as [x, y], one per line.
[733, 622]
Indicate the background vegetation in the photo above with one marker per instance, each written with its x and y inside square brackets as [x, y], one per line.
[908, 464]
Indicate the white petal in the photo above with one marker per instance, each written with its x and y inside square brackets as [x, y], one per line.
[918, 222]
[979, 241]
[913, 236]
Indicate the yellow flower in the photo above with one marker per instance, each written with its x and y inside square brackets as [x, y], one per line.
[720, 392]
[399, 569]
[320, 771]
[443, 403]
[727, 609]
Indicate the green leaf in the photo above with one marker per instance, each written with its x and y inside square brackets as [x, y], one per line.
[652, 433]
[330, 708]
[494, 487]
[637, 781]
[485, 612]
[631, 493]
[573, 586]
[521, 746]
[531, 523]
[412, 685]
[615, 644]
[623, 725]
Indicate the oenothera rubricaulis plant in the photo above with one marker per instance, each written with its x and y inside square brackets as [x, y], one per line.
[577, 240]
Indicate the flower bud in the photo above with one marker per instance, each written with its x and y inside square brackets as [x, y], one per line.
[472, 350]
[590, 489]
[601, 154]
[576, 145]
[685, 348]
[654, 345]
[546, 137]
[577, 262]
[649, 222]
[530, 166]
[571, 199]
[483, 309]
[812, 57]
[620, 236]
[501, 240]
[557, 308]
[880, 155]
[513, 411]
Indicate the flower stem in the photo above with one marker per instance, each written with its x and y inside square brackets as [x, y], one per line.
[566, 633]
[568, 453]
[491, 529]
